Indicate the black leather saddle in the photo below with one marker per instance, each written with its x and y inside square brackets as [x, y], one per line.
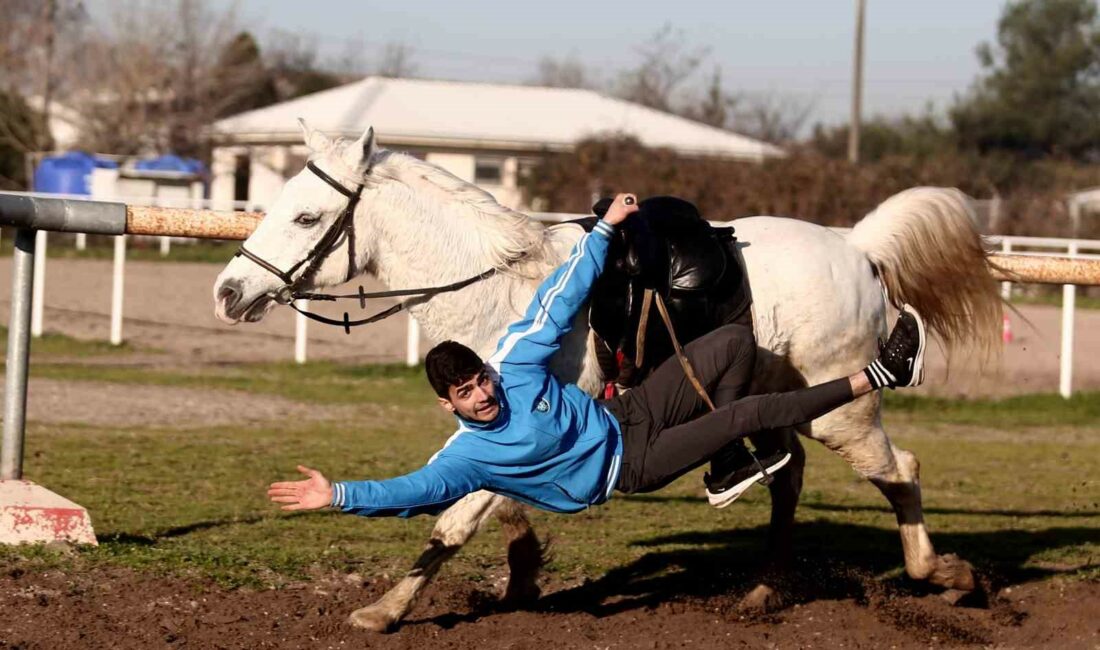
[669, 248]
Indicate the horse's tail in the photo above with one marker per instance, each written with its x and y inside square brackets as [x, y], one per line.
[928, 254]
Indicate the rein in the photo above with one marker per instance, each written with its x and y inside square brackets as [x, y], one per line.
[344, 224]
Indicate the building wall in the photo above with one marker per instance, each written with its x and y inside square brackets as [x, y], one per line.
[271, 165]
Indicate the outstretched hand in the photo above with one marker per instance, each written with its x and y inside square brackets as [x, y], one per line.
[622, 207]
[308, 494]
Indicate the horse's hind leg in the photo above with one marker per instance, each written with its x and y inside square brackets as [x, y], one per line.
[453, 529]
[855, 432]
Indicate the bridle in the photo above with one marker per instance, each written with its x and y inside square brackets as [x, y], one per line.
[343, 225]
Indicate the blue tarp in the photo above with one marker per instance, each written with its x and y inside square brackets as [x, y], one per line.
[68, 173]
[171, 163]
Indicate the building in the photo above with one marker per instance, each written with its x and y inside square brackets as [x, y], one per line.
[481, 132]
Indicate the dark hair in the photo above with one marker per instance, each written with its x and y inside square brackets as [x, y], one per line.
[449, 364]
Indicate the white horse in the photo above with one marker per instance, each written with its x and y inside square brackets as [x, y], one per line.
[819, 311]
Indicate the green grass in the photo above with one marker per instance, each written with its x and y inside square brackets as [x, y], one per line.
[1010, 485]
[1044, 295]
[51, 346]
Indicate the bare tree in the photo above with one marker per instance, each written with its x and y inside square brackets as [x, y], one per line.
[772, 117]
[568, 72]
[396, 60]
[148, 80]
[666, 63]
[293, 61]
[716, 106]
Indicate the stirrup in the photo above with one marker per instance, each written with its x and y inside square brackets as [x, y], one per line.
[766, 478]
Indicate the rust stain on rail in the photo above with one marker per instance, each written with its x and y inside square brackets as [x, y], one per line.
[1045, 270]
[186, 222]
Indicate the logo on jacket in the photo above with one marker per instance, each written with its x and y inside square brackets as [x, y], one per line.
[543, 406]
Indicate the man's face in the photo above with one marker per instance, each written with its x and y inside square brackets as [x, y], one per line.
[474, 399]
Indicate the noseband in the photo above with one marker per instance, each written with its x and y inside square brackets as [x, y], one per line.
[344, 224]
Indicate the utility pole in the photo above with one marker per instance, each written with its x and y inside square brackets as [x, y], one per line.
[857, 87]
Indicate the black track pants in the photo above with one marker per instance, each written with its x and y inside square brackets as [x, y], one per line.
[668, 430]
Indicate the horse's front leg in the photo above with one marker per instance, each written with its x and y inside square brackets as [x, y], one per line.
[785, 491]
[454, 528]
[525, 554]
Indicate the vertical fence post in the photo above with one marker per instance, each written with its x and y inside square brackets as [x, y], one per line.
[1006, 287]
[412, 343]
[1069, 304]
[165, 246]
[300, 323]
[19, 346]
[118, 279]
[81, 241]
[38, 302]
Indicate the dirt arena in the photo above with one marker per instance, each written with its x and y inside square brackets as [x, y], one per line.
[119, 609]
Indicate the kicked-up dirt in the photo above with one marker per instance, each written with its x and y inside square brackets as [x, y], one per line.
[119, 608]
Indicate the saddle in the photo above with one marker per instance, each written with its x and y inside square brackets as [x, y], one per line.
[669, 250]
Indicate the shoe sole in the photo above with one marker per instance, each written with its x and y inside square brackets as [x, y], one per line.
[918, 362]
[728, 496]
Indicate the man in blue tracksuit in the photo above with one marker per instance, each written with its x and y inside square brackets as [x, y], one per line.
[524, 434]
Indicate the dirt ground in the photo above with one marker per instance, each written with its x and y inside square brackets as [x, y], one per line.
[121, 609]
[169, 307]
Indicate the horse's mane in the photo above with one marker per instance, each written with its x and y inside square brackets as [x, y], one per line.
[472, 218]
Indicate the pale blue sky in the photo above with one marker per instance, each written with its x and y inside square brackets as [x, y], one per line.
[916, 51]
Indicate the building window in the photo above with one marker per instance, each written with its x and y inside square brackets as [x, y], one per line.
[488, 171]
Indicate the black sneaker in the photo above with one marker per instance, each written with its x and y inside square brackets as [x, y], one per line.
[901, 360]
[725, 487]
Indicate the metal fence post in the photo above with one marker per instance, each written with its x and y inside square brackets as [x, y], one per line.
[19, 345]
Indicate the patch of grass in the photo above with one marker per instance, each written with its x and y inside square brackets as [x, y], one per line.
[1054, 297]
[191, 500]
[1009, 412]
[58, 345]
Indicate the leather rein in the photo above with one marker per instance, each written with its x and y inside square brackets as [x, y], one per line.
[344, 225]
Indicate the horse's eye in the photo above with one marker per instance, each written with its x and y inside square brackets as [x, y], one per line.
[307, 219]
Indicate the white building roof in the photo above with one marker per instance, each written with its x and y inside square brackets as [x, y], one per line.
[482, 115]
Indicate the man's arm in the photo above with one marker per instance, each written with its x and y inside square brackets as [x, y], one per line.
[429, 490]
[535, 338]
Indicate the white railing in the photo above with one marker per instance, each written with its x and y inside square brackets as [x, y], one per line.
[1038, 246]
[1048, 246]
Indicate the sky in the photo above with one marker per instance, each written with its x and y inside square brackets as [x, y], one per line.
[917, 52]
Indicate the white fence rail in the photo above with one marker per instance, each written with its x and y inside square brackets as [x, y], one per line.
[1037, 246]
[1045, 246]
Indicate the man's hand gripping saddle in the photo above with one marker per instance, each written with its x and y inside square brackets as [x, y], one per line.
[670, 251]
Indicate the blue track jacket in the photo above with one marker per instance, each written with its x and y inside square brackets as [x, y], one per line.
[552, 446]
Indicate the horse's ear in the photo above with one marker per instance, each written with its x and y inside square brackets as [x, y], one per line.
[363, 150]
[316, 141]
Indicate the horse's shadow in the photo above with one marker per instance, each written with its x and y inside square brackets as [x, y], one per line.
[834, 561]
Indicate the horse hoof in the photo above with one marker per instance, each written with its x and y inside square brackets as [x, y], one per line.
[761, 600]
[373, 619]
[516, 596]
[953, 574]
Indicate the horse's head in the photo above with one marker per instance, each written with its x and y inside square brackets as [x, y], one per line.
[303, 239]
